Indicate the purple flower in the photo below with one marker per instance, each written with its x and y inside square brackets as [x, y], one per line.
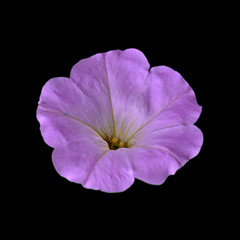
[115, 119]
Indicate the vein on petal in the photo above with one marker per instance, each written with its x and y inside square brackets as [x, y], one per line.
[164, 108]
[162, 149]
[129, 128]
[66, 115]
[121, 132]
[104, 133]
[109, 95]
[93, 166]
[157, 130]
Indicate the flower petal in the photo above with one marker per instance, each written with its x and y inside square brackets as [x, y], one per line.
[161, 153]
[152, 165]
[171, 100]
[91, 77]
[166, 86]
[112, 173]
[127, 72]
[184, 142]
[57, 128]
[118, 76]
[74, 160]
[132, 94]
[65, 113]
[94, 166]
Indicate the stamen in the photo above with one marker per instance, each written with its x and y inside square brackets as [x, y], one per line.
[114, 140]
[122, 144]
[115, 143]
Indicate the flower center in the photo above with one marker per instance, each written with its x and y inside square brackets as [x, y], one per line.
[116, 143]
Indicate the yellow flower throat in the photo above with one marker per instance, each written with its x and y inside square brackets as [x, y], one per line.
[116, 143]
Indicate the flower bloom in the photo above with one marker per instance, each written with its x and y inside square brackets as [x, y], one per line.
[115, 119]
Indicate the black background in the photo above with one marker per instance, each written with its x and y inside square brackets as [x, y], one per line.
[48, 49]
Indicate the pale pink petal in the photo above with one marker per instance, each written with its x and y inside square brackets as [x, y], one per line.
[152, 165]
[93, 165]
[127, 72]
[65, 113]
[161, 153]
[74, 160]
[111, 173]
[171, 102]
[91, 77]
